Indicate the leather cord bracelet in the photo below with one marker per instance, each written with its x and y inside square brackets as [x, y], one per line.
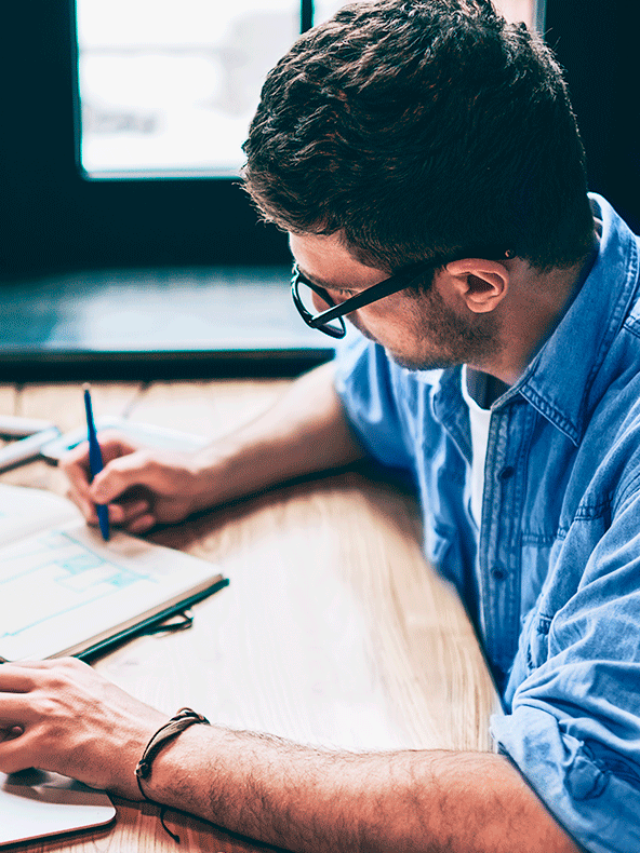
[182, 720]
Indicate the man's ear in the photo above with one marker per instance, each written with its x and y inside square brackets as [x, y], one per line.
[481, 284]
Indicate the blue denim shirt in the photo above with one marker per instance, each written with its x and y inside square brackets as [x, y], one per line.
[552, 580]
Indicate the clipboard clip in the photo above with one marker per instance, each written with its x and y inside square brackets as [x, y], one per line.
[180, 621]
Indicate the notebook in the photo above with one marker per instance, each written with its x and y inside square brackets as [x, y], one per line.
[64, 591]
[35, 804]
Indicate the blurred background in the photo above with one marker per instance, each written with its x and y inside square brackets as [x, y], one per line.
[126, 244]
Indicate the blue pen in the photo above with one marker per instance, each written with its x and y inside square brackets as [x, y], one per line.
[95, 461]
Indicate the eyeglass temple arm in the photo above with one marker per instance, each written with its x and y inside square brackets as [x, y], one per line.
[371, 294]
[399, 282]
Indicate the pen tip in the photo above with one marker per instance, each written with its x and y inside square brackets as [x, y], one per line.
[86, 387]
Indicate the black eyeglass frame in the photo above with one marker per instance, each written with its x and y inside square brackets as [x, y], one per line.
[390, 285]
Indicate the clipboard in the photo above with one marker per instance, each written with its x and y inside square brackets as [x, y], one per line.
[35, 804]
[64, 591]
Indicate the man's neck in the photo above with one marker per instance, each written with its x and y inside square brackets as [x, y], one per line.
[538, 303]
[483, 388]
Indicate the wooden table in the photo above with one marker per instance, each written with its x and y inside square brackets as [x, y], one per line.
[332, 631]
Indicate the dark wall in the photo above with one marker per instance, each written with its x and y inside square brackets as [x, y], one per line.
[597, 41]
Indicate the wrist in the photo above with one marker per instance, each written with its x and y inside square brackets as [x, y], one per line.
[228, 470]
[168, 732]
[211, 484]
[119, 775]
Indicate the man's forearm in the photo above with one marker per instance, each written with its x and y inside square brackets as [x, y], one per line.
[312, 800]
[304, 432]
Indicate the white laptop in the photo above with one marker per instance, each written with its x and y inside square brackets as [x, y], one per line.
[35, 804]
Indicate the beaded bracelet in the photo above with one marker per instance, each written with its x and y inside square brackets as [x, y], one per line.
[182, 720]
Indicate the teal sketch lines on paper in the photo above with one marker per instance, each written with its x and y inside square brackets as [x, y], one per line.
[51, 575]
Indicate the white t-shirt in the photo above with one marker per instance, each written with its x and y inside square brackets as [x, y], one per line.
[474, 388]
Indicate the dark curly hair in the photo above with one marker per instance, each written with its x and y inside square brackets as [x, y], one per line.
[419, 129]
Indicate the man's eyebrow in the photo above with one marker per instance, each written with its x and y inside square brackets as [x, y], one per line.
[312, 278]
[321, 283]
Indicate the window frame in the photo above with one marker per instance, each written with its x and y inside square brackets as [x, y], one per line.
[55, 218]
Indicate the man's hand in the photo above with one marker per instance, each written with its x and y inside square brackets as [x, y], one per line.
[142, 487]
[304, 432]
[63, 717]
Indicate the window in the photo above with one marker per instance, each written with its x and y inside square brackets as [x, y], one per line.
[170, 88]
[54, 218]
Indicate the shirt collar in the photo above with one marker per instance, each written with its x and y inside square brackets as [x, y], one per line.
[558, 379]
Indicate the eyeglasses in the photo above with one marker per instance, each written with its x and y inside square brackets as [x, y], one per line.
[331, 320]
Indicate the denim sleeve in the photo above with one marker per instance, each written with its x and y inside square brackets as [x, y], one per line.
[574, 725]
[366, 387]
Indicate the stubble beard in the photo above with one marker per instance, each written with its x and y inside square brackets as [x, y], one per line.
[448, 339]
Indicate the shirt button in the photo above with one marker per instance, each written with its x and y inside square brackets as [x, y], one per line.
[507, 473]
[498, 573]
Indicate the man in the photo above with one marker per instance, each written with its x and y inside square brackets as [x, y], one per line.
[429, 142]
